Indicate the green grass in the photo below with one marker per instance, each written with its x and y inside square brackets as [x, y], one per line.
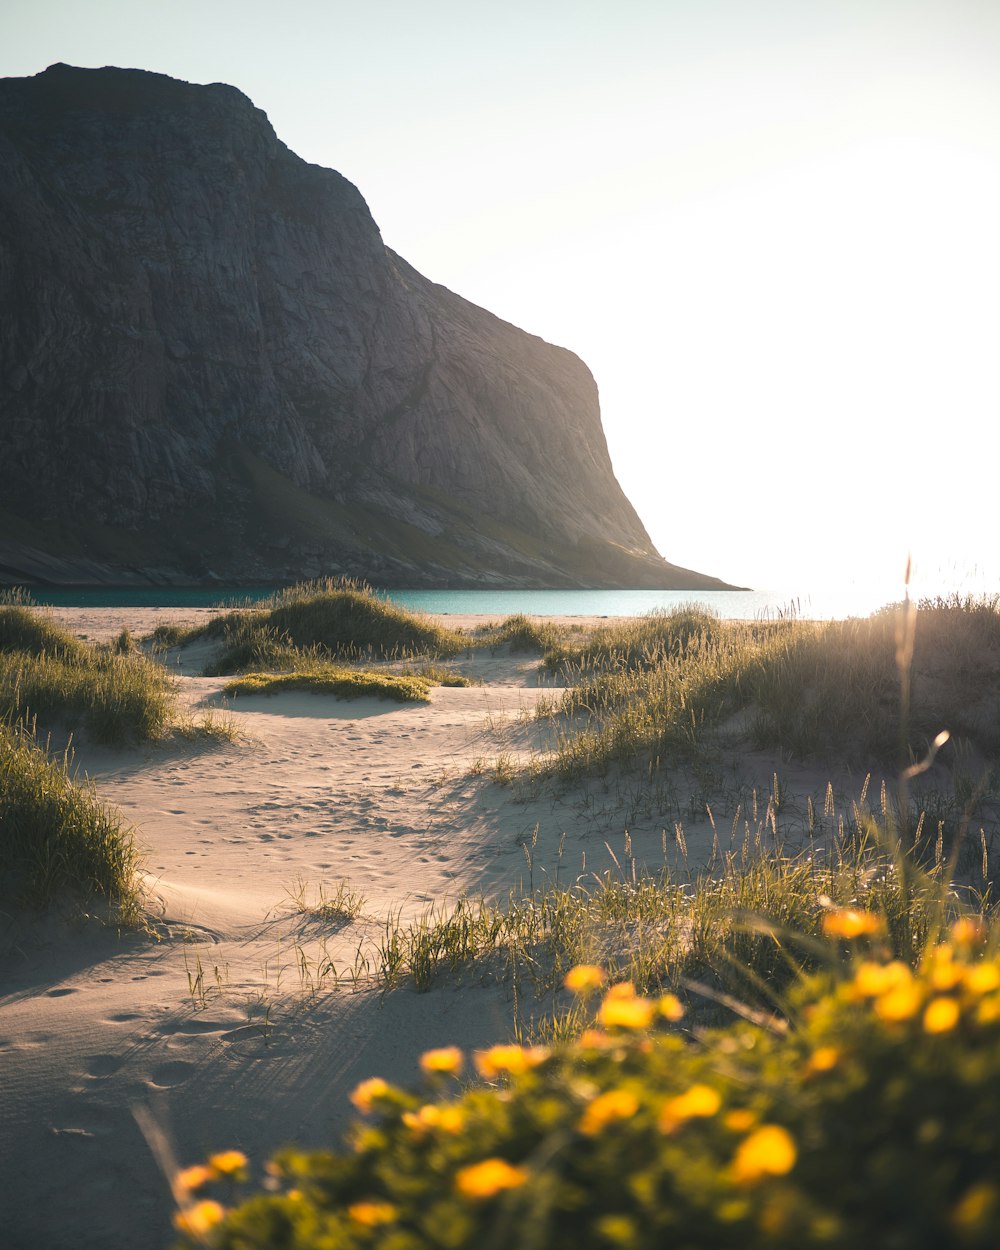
[342, 682]
[57, 840]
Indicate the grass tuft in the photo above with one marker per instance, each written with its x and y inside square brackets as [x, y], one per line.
[57, 840]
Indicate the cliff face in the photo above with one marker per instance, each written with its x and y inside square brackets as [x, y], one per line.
[212, 366]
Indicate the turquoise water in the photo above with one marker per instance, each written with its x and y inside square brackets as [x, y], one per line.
[730, 604]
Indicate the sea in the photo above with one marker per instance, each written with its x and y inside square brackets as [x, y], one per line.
[728, 604]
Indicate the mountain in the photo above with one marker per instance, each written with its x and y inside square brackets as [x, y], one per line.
[213, 369]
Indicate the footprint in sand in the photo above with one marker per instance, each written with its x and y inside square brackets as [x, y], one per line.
[174, 1072]
[102, 1065]
[60, 993]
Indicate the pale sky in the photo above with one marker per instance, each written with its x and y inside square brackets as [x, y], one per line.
[771, 229]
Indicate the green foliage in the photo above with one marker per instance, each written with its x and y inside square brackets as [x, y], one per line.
[870, 1120]
[56, 839]
[328, 679]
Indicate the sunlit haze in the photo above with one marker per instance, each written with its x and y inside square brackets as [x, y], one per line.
[770, 229]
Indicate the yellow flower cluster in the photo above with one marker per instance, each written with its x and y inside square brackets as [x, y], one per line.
[199, 1219]
[769, 1151]
[446, 1061]
[943, 992]
[585, 979]
[370, 1092]
[622, 1008]
[699, 1102]
[447, 1118]
[508, 1060]
[614, 1104]
[225, 1163]
[371, 1214]
[484, 1180]
[851, 924]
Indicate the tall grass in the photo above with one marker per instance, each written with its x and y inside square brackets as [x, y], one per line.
[57, 840]
[813, 689]
[116, 698]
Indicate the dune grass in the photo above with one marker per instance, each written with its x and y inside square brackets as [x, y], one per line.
[344, 683]
[662, 687]
[47, 675]
[58, 842]
[319, 620]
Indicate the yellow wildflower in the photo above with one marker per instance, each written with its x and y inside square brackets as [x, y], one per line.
[199, 1219]
[594, 1039]
[228, 1162]
[941, 1015]
[823, 1059]
[899, 1004]
[849, 923]
[446, 1059]
[368, 1093]
[976, 1207]
[449, 1119]
[624, 1010]
[371, 1214]
[194, 1177]
[872, 979]
[510, 1059]
[968, 931]
[670, 1007]
[942, 971]
[615, 1104]
[740, 1121]
[585, 979]
[982, 978]
[988, 1011]
[700, 1101]
[486, 1179]
[768, 1151]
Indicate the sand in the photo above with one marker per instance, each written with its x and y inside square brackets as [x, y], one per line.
[99, 1031]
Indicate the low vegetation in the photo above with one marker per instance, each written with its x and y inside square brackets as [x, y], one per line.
[344, 683]
[665, 687]
[58, 842]
[864, 1115]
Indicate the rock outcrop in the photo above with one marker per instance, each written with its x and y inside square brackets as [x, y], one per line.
[211, 367]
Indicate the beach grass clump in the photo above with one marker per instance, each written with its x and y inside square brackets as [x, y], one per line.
[26, 629]
[522, 633]
[329, 618]
[57, 840]
[866, 1116]
[115, 697]
[632, 643]
[343, 683]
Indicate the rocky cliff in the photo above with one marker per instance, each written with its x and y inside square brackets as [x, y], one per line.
[211, 367]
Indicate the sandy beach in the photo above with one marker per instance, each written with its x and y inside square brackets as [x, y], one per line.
[217, 1027]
